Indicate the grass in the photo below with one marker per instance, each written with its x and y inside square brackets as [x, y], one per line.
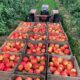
[52, 4]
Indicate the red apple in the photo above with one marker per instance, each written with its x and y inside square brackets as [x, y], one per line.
[18, 78]
[20, 67]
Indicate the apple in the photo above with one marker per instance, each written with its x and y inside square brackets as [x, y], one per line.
[52, 69]
[73, 72]
[36, 78]
[63, 73]
[18, 78]
[1, 57]
[56, 72]
[28, 78]
[12, 57]
[20, 67]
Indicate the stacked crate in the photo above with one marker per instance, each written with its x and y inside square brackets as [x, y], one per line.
[43, 53]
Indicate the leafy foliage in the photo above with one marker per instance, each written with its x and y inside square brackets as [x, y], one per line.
[73, 6]
[68, 24]
[13, 11]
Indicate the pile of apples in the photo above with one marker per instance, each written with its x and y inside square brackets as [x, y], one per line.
[27, 78]
[24, 27]
[8, 61]
[32, 64]
[39, 28]
[18, 35]
[56, 32]
[60, 66]
[38, 37]
[59, 49]
[61, 37]
[13, 46]
[55, 28]
[38, 48]
[27, 24]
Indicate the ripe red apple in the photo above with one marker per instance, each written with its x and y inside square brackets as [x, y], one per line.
[18, 78]
[36, 78]
[56, 72]
[1, 57]
[28, 78]
[20, 67]
[12, 57]
[63, 73]
[65, 62]
[51, 64]
[25, 59]
[52, 69]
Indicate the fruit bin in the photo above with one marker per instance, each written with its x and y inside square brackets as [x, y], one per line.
[32, 64]
[8, 63]
[37, 37]
[36, 48]
[14, 76]
[24, 27]
[57, 33]
[18, 35]
[57, 76]
[59, 48]
[56, 27]
[39, 27]
[13, 46]
[57, 37]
